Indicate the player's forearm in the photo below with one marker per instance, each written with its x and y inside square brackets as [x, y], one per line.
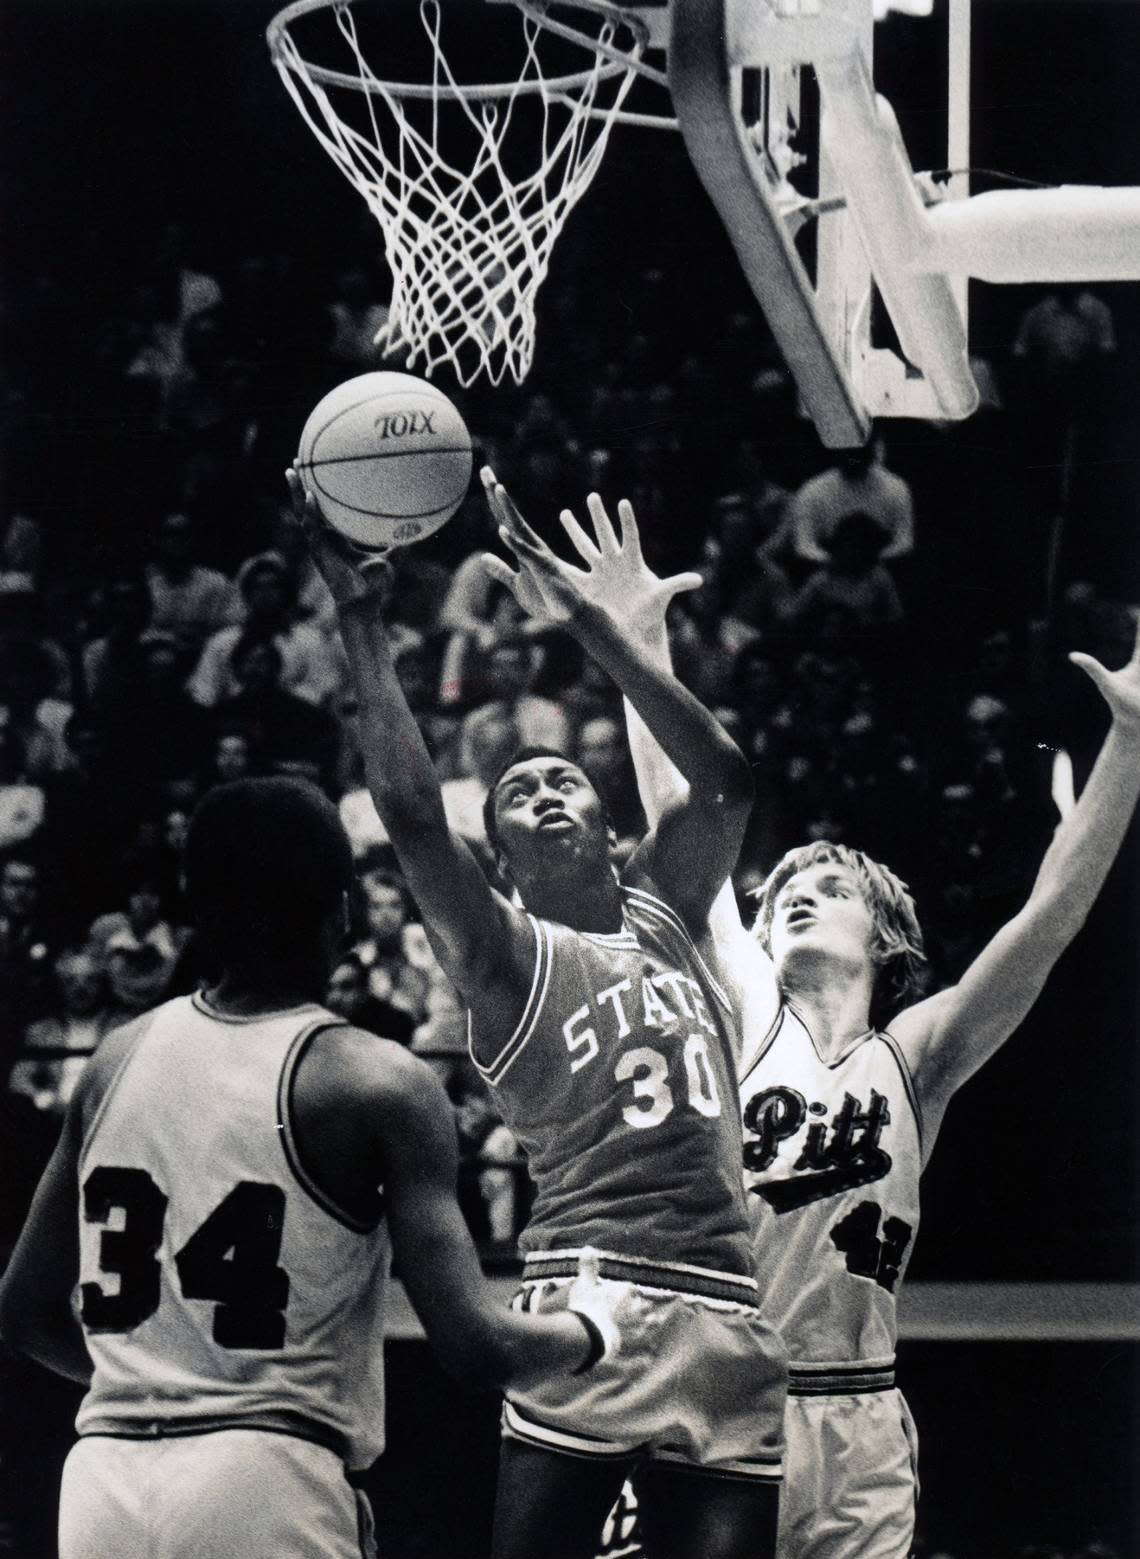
[535, 1347]
[659, 783]
[400, 775]
[702, 751]
[1087, 841]
[52, 1337]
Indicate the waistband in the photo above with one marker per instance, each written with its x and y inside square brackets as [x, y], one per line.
[675, 1277]
[840, 1380]
[159, 1428]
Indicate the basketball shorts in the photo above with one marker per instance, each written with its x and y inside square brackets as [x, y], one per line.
[210, 1496]
[698, 1381]
[850, 1475]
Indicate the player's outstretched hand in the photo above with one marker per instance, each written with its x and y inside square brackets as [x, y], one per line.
[620, 580]
[1119, 689]
[597, 1302]
[616, 579]
[351, 574]
[543, 585]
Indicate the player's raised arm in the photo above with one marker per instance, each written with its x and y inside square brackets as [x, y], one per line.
[697, 844]
[480, 941]
[628, 587]
[948, 1036]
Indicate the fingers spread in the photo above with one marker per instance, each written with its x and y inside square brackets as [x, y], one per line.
[584, 547]
[678, 584]
[603, 525]
[630, 536]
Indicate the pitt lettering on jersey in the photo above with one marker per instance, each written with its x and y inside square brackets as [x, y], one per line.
[833, 1156]
[610, 1010]
[395, 424]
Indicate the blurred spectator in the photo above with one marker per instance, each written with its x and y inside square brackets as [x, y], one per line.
[289, 734]
[21, 802]
[91, 810]
[603, 752]
[511, 670]
[357, 317]
[853, 579]
[154, 727]
[308, 667]
[27, 941]
[388, 949]
[488, 1188]
[28, 705]
[366, 833]
[21, 552]
[703, 639]
[417, 667]
[859, 484]
[350, 998]
[231, 757]
[80, 1014]
[137, 945]
[113, 662]
[187, 598]
[758, 592]
[1062, 345]
[442, 1036]
[476, 612]
[490, 746]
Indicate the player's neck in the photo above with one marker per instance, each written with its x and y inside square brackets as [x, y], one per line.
[594, 905]
[834, 1007]
[244, 993]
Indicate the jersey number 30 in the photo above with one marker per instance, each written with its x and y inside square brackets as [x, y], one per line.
[648, 1071]
[231, 1258]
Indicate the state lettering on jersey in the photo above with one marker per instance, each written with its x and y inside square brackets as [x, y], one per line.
[834, 1156]
[657, 1000]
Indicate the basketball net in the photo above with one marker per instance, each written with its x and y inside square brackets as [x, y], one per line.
[467, 241]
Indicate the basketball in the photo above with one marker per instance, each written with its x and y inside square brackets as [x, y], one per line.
[387, 457]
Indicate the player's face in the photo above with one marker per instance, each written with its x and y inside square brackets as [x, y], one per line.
[546, 811]
[821, 912]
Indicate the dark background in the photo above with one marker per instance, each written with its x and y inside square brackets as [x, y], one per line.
[124, 113]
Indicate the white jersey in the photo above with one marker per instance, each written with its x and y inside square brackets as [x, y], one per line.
[219, 1287]
[832, 1156]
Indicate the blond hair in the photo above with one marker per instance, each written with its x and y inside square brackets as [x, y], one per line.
[897, 950]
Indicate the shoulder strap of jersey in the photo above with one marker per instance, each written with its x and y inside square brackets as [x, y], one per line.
[495, 1070]
[288, 1135]
[105, 1071]
[656, 912]
[769, 1039]
[895, 1049]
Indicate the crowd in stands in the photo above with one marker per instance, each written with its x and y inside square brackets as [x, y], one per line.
[162, 631]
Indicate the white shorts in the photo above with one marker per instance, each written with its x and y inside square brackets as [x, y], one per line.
[696, 1381]
[210, 1496]
[850, 1477]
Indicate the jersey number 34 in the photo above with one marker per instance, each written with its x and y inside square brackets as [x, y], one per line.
[231, 1258]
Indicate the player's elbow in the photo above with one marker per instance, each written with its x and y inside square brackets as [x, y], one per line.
[735, 785]
[21, 1320]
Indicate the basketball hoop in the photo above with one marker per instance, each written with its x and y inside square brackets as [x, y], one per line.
[471, 182]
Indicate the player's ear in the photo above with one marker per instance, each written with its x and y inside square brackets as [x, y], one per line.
[502, 866]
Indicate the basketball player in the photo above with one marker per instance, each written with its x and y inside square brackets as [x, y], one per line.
[595, 1019]
[844, 1080]
[234, 1170]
